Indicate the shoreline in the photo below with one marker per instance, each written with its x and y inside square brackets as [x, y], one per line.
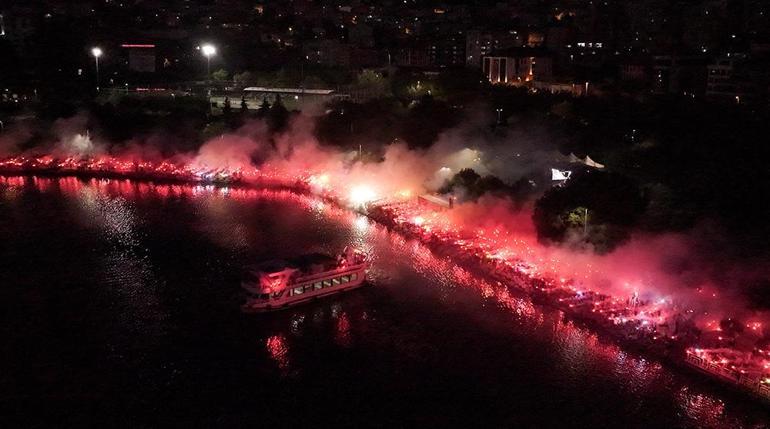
[670, 352]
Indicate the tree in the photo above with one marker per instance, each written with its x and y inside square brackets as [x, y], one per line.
[220, 75]
[264, 108]
[370, 83]
[459, 82]
[613, 203]
[278, 116]
[244, 78]
[521, 190]
[425, 120]
[467, 179]
[474, 185]
[492, 185]
[228, 108]
[370, 78]
[577, 218]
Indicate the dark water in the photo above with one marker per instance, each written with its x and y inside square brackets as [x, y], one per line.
[120, 307]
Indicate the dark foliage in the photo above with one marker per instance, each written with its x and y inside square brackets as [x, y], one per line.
[614, 204]
[472, 186]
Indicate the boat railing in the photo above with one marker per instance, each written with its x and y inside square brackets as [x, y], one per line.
[337, 271]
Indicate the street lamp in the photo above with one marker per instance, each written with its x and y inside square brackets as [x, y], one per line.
[499, 115]
[208, 51]
[97, 52]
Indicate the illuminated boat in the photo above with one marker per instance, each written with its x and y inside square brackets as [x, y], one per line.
[277, 285]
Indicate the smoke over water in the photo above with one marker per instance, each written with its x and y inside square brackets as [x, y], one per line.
[683, 269]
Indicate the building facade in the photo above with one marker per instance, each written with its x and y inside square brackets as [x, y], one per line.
[518, 65]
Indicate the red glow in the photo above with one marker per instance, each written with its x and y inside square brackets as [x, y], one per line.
[634, 310]
[278, 350]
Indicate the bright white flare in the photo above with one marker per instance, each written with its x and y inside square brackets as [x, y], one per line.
[96, 52]
[361, 195]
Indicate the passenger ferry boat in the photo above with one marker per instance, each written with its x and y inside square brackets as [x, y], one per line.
[281, 284]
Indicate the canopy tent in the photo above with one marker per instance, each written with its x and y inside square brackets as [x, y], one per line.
[591, 163]
[560, 174]
[585, 161]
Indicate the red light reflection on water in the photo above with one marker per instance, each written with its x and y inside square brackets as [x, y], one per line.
[704, 410]
[342, 332]
[70, 185]
[578, 346]
[279, 351]
[581, 350]
[42, 183]
[131, 189]
[450, 274]
[13, 181]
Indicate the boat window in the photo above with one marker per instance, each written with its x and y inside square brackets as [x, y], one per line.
[344, 279]
[317, 285]
[277, 294]
[353, 276]
[327, 283]
[298, 290]
[336, 281]
[308, 287]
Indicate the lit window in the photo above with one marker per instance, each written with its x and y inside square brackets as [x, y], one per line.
[353, 276]
[344, 279]
[317, 285]
[298, 290]
[327, 283]
[336, 281]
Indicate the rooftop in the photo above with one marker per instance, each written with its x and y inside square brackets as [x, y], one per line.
[289, 90]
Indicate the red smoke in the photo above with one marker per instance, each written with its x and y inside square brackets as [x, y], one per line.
[673, 267]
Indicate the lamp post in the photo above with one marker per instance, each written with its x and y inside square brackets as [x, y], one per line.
[97, 52]
[208, 50]
[499, 115]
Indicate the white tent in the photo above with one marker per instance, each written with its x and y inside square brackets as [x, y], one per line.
[591, 163]
[560, 174]
[585, 161]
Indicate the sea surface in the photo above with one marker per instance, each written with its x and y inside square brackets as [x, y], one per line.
[119, 307]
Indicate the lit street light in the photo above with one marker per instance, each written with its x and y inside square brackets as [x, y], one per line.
[97, 52]
[499, 115]
[208, 51]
